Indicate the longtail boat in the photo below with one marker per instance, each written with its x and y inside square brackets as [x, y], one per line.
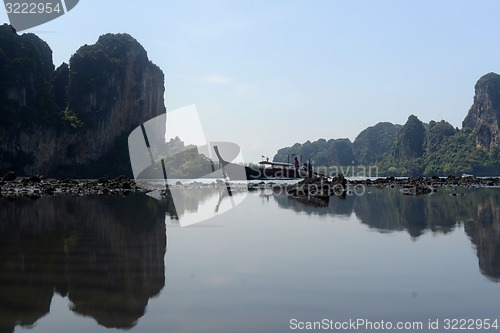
[265, 170]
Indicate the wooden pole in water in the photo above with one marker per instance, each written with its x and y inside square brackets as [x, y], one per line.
[224, 174]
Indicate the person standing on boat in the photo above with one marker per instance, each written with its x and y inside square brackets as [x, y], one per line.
[297, 164]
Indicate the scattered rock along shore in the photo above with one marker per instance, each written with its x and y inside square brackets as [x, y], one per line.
[412, 185]
[37, 186]
[426, 185]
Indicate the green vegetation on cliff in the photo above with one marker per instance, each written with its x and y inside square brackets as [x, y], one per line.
[321, 152]
[179, 160]
[446, 151]
[375, 142]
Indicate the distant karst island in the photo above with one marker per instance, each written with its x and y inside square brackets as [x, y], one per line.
[417, 148]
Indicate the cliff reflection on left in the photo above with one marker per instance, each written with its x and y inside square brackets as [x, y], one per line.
[105, 254]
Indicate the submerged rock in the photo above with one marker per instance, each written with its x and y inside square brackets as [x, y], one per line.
[9, 176]
[417, 190]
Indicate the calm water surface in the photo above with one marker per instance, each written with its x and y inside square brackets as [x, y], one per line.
[95, 264]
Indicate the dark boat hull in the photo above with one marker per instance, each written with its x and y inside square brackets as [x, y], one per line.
[272, 173]
[240, 172]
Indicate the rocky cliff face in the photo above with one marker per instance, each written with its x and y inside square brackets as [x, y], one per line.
[74, 121]
[321, 152]
[484, 115]
[375, 142]
[410, 140]
[25, 68]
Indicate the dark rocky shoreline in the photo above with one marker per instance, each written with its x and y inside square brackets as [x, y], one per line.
[426, 185]
[432, 181]
[37, 186]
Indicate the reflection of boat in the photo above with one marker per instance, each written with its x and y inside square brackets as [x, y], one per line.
[315, 201]
[266, 170]
[197, 204]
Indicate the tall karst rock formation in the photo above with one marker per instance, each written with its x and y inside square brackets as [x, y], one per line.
[409, 142]
[484, 115]
[73, 121]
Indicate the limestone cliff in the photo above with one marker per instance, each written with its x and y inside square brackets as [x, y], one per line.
[375, 142]
[25, 68]
[410, 140]
[73, 121]
[484, 115]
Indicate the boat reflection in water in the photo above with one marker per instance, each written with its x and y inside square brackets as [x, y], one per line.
[195, 205]
[105, 254]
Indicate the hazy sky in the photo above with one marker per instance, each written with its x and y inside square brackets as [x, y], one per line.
[267, 74]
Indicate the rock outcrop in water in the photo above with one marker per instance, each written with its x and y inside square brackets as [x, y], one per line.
[73, 121]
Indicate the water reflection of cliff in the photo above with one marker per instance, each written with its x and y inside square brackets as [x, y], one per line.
[387, 210]
[106, 254]
[390, 210]
[484, 232]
